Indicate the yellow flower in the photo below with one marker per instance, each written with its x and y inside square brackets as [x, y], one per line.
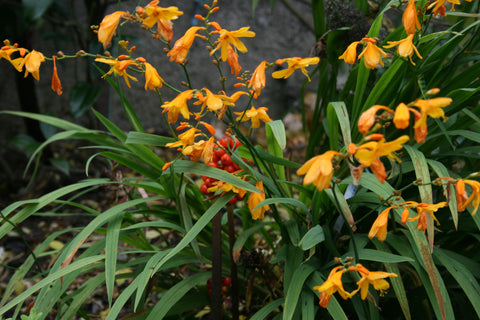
[319, 170]
[331, 285]
[254, 199]
[473, 199]
[153, 14]
[402, 116]
[108, 26]
[32, 62]
[152, 78]
[375, 278]
[379, 227]
[231, 37]
[6, 53]
[255, 115]
[372, 55]
[433, 108]
[178, 106]
[181, 47]
[410, 18]
[294, 64]
[56, 84]
[422, 210]
[350, 55]
[406, 48]
[119, 67]
[257, 81]
[439, 6]
[367, 118]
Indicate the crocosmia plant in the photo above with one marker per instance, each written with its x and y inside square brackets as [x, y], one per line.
[373, 217]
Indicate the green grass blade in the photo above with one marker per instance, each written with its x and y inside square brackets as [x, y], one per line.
[113, 232]
[295, 288]
[135, 137]
[263, 313]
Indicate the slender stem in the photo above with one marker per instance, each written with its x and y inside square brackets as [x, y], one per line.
[233, 265]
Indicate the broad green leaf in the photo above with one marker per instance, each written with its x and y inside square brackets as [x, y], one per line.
[135, 137]
[381, 256]
[176, 293]
[288, 201]
[449, 189]
[313, 237]
[184, 166]
[463, 276]
[276, 142]
[57, 122]
[242, 238]
[338, 199]
[113, 232]
[263, 313]
[337, 111]
[295, 288]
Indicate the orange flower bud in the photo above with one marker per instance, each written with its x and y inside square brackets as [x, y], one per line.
[402, 116]
[405, 215]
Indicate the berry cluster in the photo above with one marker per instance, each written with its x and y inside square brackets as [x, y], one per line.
[221, 160]
[226, 282]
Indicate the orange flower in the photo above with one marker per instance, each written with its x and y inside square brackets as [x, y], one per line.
[257, 82]
[422, 210]
[232, 60]
[375, 278]
[474, 199]
[254, 199]
[108, 26]
[186, 139]
[402, 116]
[152, 78]
[406, 48]
[433, 108]
[231, 37]
[319, 170]
[32, 62]
[372, 55]
[331, 285]
[181, 47]
[56, 84]
[6, 52]
[379, 227]
[410, 18]
[153, 14]
[255, 115]
[294, 64]
[119, 67]
[350, 55]
[178, 106]
[367, 118]
[439, 6]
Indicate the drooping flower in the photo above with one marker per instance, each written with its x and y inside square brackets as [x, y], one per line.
[422, 210]
[108, 26]
[401, 118]
[231, 37]
[6, 53]
[254, 199]
[410, 18]
[379, 227]
[255, 115]
[232, 60]
[439, 6]
[152, 78]
[56, 84]
[428, 108]
[367, 118]
[178, 106]
[185, 139]
[372, 55]
[257, 81]
[374, 278]
[350, 55]
[153, 14]
[319, 170]
[474, 199]
[406, 48]
[295, 63]
[32, 62]
[331, 285]
[119, 67]
[181, 47]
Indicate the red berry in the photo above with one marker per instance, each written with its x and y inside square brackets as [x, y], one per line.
[213, 164]
[226, 160]
[229, 168]
[219, 153]
[227, 281]
[204, 189]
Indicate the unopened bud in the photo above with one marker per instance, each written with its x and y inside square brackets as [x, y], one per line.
[215, 62]
[165, 50]
[60, 54]
[215, 9]
[107, 53]
[80, 53]
[184, 83]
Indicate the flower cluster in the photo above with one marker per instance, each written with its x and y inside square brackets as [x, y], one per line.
[334, 283]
